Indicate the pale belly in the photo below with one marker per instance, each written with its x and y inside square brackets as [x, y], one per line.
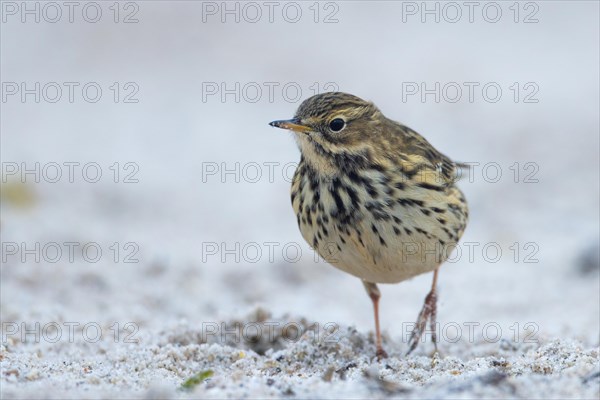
[377, 233]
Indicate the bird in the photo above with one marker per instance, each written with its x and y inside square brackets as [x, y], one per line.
[374, 198]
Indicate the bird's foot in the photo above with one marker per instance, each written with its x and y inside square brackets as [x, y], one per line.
[381, 354]
[428, 313]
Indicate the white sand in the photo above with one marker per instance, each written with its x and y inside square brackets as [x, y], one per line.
[338, 365]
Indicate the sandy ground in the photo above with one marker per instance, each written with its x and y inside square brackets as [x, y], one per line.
[187, 263]
[283, 364]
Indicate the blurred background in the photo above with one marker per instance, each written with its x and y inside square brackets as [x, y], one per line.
[170, 102]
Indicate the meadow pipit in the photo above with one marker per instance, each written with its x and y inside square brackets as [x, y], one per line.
[374, 198]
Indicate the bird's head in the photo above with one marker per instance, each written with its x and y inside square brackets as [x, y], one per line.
[333, 125]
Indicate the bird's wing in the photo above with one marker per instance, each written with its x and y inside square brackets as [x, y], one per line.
[417, 145]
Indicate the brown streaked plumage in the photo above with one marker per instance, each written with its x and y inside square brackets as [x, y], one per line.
[373, 197]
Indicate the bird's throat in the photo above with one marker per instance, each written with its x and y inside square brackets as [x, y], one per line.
[316, 156]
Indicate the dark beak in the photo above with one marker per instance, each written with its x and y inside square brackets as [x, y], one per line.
[291, 124]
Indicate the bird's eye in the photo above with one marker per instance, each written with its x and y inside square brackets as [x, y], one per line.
[337, 124]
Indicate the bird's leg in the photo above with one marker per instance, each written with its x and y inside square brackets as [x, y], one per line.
[428, 313]
[375, 294]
